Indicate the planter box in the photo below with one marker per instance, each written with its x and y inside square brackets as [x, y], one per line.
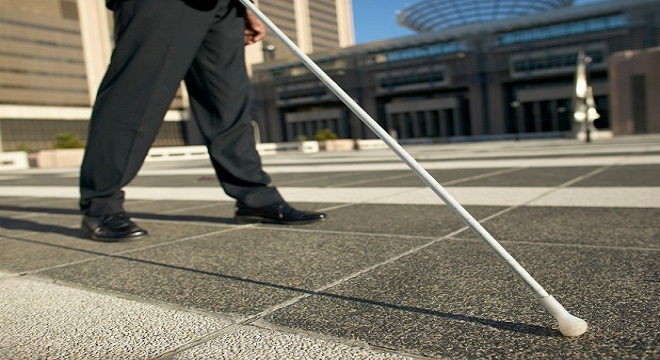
[371, 144]
[57, 158]
[15, 160]
[338, 145]
[307, 147]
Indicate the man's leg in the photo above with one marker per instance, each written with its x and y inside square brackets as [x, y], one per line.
[220, 99]
[156, 41]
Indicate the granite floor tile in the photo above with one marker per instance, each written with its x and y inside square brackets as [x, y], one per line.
[412, 220]
[457, 300]
[580, 225]
[241, 271]
[537, 177]
[644, 175]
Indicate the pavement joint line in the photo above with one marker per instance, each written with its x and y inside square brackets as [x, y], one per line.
[411, 251]
[325, 288]
[231, 227]
[485, 175]
[373, 195]
[565, 245]
[516, 152]
[540, 196]
[336, 207]
[118, 254]
[264, 325]
[402, 191]
[185, 239]
[324, 177]
[452, 163]
[191, 222]
[139, 201]
[353, 233]
[236, 323]
[214, 315]
[597, 171]
[197, 207]
[227, 227]
[169, 354]
[366, 181]
[584, 246]
[579, 178]
[126, 296]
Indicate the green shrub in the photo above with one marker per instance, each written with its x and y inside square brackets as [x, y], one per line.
[24, 147]
[68, 141]
[325, 134]
[301, 138]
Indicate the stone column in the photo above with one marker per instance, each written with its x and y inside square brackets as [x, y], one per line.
[96, 40]
[345, 23]
[303, 26]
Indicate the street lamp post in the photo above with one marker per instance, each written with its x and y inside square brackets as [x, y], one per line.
[515, 105]
[584, 112]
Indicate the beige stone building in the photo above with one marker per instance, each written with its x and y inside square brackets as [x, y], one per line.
[55, 52]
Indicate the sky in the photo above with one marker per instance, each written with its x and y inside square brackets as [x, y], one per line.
[376, 19]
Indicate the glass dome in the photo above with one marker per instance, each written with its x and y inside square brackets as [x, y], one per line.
[434, 15]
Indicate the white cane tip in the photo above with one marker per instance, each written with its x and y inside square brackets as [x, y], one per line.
[569, 325]
[572, 326]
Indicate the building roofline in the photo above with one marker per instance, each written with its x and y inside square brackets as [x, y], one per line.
[466, 31]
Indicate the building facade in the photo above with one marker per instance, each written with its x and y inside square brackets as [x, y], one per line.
[55, 52]
[314, 25]
[508, 78]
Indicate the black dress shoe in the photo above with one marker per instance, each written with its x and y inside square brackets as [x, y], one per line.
[280, 213]
[113, 227]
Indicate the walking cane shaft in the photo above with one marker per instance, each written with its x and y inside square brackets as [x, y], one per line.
[551, 305]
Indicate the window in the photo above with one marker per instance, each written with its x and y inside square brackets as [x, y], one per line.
[412, 79]
[419, 52]
[69, 9]
[539, 63]
[566, 29]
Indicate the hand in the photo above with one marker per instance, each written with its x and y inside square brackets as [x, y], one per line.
[255, 30]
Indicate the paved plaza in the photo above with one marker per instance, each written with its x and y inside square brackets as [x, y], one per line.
[391, 274]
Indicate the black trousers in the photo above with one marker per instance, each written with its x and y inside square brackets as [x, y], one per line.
[159, 43]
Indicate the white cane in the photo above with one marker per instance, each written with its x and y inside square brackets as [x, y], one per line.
[569, 325]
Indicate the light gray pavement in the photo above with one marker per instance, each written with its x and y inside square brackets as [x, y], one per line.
[392, 274]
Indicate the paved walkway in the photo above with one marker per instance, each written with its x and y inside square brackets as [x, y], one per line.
[392, 274]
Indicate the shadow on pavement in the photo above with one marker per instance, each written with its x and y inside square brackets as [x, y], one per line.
[502, 325]
[22, 224]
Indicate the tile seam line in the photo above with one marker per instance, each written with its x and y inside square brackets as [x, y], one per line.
[349, 277]
[352, 233]
[392, 259]
[97, 255]
[260, 316]
[566, 245]
[553, 190]
[447, 183]
[233, 323]
[251, 319]
[118, 295]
